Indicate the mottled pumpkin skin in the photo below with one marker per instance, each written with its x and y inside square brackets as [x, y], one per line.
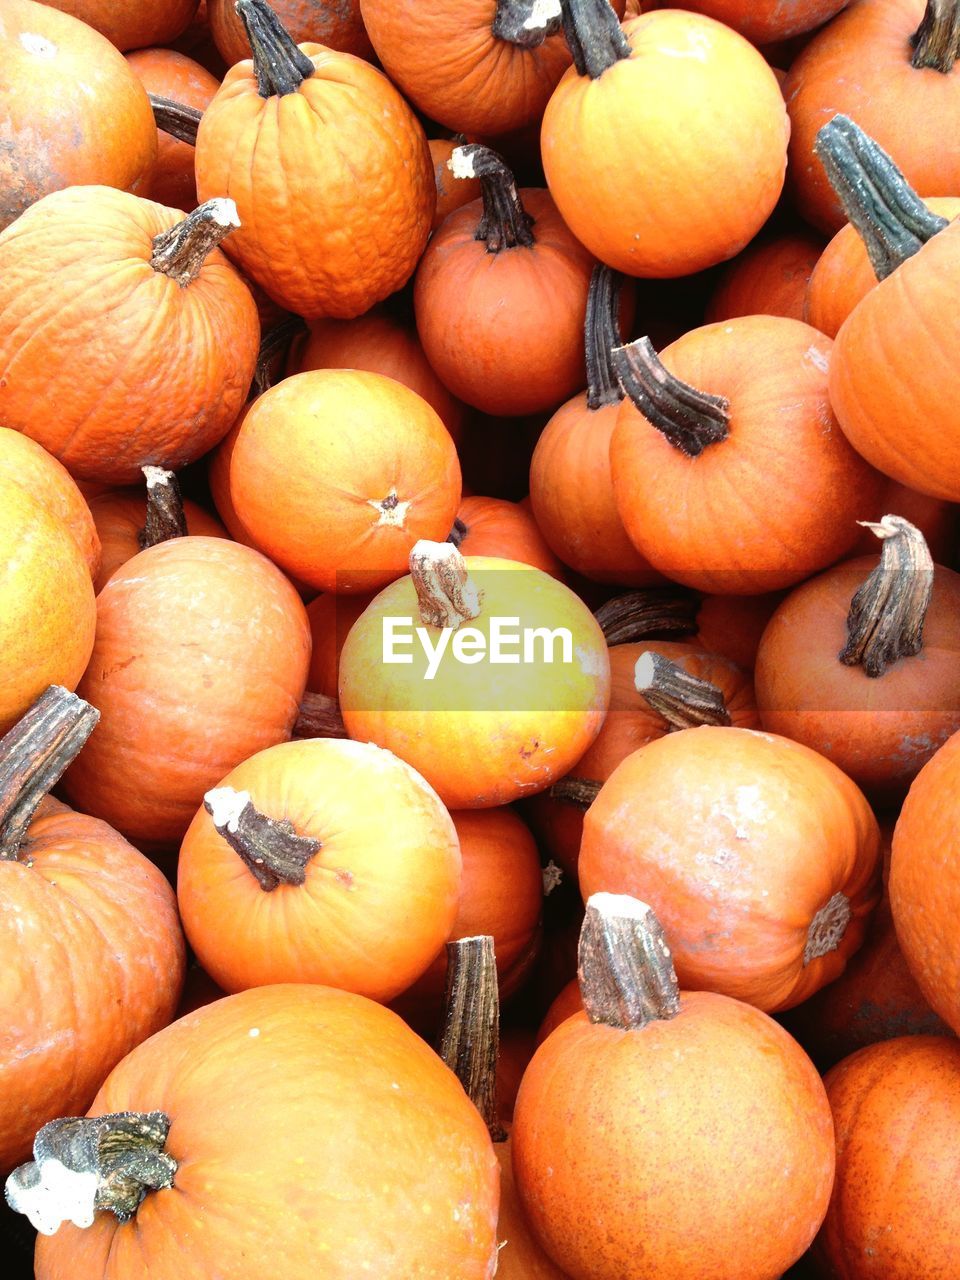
[141, 369]
[131, 24]
[119, 517]
[894, 1214]
[624, 1141]
[335, 23]
[289, 1104]
[61, 82]
[94, 962]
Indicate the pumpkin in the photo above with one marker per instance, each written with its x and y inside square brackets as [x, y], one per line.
[500, 295]
[47, 607]
[862, 663]
[359, 149]
[331, 617]
[334, 23]
[888, 65]
[571, 491]
[770, 277]
[451, 192]
[496, 527]
[482, 735]
[93, 951]
[765, 21]
[733, 409]
[631, 1116]
[893, 1212]
[132, 25]
[200, 659]
[288, 874]
[664, 146]
[174, 76]
[284, 1106]
[125, 315]
[72, 111]
[937, 520]
[923, 882]
[732, 625]
[335, 474]
[760, 857]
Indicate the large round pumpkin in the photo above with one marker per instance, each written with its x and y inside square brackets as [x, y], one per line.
[132, 24]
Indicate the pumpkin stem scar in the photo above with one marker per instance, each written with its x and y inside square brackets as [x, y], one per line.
[270, 848]
[181, 122]
[637, 615]
[827, 928]
[504, 223]
[594, 36]
[625, 969]
[165, 519]
[445, 593]
[470, 1024]
[526, 23]
[279, 64]
[936, 42]
[181, 252]
[684, 700]
[393, 512]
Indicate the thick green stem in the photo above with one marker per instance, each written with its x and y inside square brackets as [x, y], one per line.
[270, 848]
[279, 64]
[685, 701]
[691, 420]
[179, 121]
[470, 1024]
[626, 975]
[526, 23]
[165, 519]
[936, 42]
[181, 252]
[640, 615]
[594, 36]
[504, 224]
[601, 334]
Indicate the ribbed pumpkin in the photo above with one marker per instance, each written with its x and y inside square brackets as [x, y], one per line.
[125, 315]
[760, 857]
[71, 110]
[129, 24]
[362, 163]
[335, 23]
[770, 278]
[265, 1119]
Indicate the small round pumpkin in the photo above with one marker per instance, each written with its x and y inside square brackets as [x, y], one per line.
[771, 277]
[335, 23]
[496, 527]
[132, 25]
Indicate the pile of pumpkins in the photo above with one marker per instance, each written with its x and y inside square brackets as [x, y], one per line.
[336, 338]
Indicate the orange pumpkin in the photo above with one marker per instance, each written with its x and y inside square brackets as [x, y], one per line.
[760, 856]
[331, 617]
[283, 1105]
[733, 625]
[632, 1114]
[451, 192]
[765, 21]
[664, 146]
[131, 25]
[125, 315]
[770, 278]
[363, 163]
[335, 23]
[500, 295]
[496, 527]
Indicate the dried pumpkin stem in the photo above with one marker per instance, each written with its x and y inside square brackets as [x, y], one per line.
[601, 331]
[34, 754]
[180, 121]
[690, 419]
[269, 847]
[458, 532]
[888, 611]
[936, 42]
[526, 23]
[594, 36]
[684, 700]
[165, 519]
[319, 717]
[638, 615]
[279, 64]
[504, 224]
[576, 791]
[470, 1024]
[445, 593]
[181, 252]
[624, 968]
[82, 1164]
[889, 216]
[274, 343]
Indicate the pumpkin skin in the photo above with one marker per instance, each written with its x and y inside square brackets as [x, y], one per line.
[477, 755]
[769, 278]
[783, 438]
[599, 1109]
[334, 23]
[924, 889]
[61, 81]
[893, 1214]
[937, 520]
[47, 606]
[200, 660]
[765, 21]
[119, 517]
[146, 370]
[379, 898]
[733, 625]
[889, 377]
[331, 617]
[173, 75]
[360, 145]
[132, 26]
[336, 473]
[504, 331]
[707, 131]
[452, 192]
[496, 527]
[285, 1171]
[860, 66]
[94, 964]
[738, 840]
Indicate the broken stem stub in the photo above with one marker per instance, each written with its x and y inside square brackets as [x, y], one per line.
[684, 700]
[625, 969]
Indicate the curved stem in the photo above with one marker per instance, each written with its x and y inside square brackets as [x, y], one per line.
[526, 23]
[179, 121]
[82, 1164]
[624, 967]
[445, 593]
[889, 216]
[601, 332]
[684, 700]
[936, 42]
[576, 791]
[270, 848]
[690, 419]
[273, 343]
[319, 717]
[505, 224]
[181, 252]
[34, 754]
[888, 611]
[594, 36]
[639, 615]
[279, 64]
[470, 1024]
[165, 519]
